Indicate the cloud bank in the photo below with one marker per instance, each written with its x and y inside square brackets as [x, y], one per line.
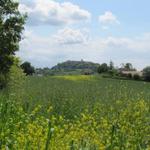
[68, 36]
[45, 51]
[42, 12]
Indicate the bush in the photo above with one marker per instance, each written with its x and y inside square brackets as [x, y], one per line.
[129, 76]
[28, 68]
[136, 77]
[112, 72]
[16, 77]
[146, 73]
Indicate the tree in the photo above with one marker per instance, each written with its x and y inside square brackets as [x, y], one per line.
[136, 77]
[146, 73]
[103, 68]
[128, 66]
[111, 65]
[27, 68]
[11, 27]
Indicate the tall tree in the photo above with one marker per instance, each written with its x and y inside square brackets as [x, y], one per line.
[111, 65]
[128, 66]
[103, 68]
[27, 68]
[11, 27]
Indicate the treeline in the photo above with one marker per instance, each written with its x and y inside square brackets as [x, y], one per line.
[126, 71]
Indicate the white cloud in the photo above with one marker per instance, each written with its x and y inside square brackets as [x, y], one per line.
[108, 18]
[68, 36]
[138, 44]
[53, 13]
[44, 51]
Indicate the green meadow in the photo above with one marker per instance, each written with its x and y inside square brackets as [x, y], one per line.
[74, 93]
[75, 112]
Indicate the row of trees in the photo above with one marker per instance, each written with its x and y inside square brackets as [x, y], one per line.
[128, 67]
[102, 69]
[109, 68]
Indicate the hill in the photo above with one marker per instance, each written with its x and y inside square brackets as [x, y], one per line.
[75, 67]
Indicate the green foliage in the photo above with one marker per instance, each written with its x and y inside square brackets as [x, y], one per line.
[129, 75]
[146, 73]
[113, 72]
[103, 68]
[127, 67]
[11, 27]
[44, 71]
[136, 77]
[27, 68]
[3, 81]
[16, 78]
[111, 65]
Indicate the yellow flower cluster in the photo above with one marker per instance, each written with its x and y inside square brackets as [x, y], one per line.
[112, 128]
[76, 78]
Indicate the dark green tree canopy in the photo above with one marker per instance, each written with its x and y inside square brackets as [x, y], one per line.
[128, 66]
[11, 27]
[146, 73]
[103, 68]
[27, 68]
[111, 65]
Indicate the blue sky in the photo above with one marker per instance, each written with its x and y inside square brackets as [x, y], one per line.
[133, 14]
[99, 31]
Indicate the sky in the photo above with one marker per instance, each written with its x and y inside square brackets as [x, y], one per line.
[91, 30]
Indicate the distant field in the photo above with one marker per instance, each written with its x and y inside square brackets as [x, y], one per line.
[83, 90]
[78, 112]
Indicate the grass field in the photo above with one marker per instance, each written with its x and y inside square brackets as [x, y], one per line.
[76, 113]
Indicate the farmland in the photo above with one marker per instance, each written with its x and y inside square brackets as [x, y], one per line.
[75, 112]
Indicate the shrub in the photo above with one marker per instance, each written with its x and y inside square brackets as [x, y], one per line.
[28, 68]
[129, 76]
[16, 79]
[146, 73]
[112, 72]
[136, 77]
